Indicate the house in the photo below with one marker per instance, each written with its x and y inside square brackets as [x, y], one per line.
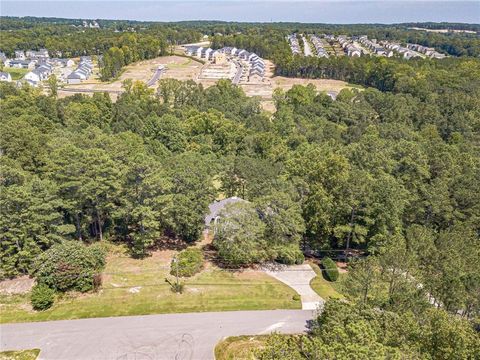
[205, 54]
[256, 75]
[214, 210]
[74, 78]
[40, 54]
[82, 72]
[192, 50]
[5, 76]
[243, 54]
[19, 55]
[33, 76]
[3, 57]
[62, 62]
[20, 64]
[219, 58]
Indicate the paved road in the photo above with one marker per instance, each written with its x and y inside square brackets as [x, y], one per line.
[238, 74]
[155, 77]
[306, 47]
[168, 336]
[298, 277]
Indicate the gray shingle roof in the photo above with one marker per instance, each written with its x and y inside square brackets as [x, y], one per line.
[218, 206]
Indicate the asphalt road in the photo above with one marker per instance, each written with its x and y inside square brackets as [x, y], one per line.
[169, 336]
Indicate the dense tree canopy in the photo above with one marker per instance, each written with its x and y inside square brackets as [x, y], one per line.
[392, 168]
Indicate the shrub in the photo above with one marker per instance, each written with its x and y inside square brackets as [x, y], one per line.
[175, 287]
[296, 297]
[70, 265]
[188, 262]
[289, 255]
[42, 297]
[330, 271]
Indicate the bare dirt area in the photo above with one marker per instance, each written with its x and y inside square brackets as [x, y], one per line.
[184, 68]
[177, 67]
[19, 285]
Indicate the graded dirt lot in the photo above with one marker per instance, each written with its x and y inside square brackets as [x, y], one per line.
[184, 68]
[177, 67]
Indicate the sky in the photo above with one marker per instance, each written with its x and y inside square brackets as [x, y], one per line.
[319, 11]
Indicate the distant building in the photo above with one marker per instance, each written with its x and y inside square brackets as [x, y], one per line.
[219, 58]
[19, 55]
[20, 64]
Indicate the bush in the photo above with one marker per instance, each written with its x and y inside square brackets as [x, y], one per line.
[70, 265]
[188, 262]
[289, 255]
[296, 297]
[330, 271]
[42, 297]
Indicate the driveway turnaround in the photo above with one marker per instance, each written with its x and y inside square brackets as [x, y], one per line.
[298, 277]
[169, 336]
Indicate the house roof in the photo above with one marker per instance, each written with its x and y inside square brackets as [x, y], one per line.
[74, 75]
[217, 206]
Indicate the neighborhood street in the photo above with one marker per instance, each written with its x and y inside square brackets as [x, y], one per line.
[190, 336]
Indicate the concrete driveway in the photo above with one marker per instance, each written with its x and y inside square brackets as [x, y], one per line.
[169, 336]
[298, 278]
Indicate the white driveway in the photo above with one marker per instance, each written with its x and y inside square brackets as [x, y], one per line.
[298, 277]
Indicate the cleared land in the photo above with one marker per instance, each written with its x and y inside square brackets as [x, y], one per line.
[15, 73]
[185, 68]
[177, 67]
[138, 287]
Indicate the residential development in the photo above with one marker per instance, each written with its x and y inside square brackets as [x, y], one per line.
[356, 46]
[42, 66]
[238, 65]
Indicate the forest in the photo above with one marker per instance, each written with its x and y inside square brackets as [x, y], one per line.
[391, 169]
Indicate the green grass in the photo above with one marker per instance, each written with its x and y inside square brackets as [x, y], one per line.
[324, 288]
[239, 347]
[20, 355]
[15, 73]
[211, 290]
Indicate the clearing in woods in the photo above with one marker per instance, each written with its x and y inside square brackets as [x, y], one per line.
[184, 68]
[138, 287]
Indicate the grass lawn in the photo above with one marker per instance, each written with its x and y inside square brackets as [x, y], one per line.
[15, 73]
[326, 289]
[20, 355]
[138, 287]
[239, 347]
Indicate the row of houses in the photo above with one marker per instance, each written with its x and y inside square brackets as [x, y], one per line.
[428, 51]
[39, 74]
[294, 44]
[406, 53]
[317, 43]
[82, 72]
[41, 54]
[256, 63]
[374, 47]
[348, 46]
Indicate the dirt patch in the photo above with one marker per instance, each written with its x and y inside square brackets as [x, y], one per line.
[19, 285]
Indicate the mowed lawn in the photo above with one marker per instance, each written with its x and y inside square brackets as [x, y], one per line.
[138, 287]
[15, 73]
[326, 289]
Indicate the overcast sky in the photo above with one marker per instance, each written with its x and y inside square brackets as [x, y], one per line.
[331, 11]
